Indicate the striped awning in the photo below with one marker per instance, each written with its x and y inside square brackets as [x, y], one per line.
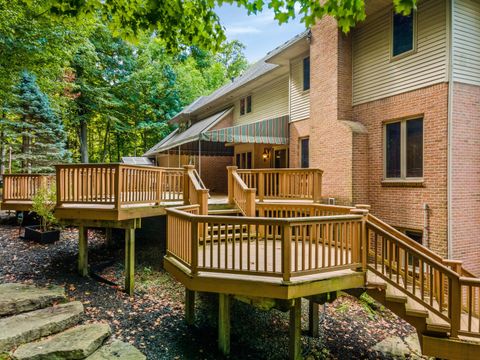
[271, 131]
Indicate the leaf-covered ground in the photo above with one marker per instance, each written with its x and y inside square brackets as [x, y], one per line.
[153, 320]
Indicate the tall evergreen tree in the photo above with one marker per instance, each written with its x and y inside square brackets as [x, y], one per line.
[42, 134]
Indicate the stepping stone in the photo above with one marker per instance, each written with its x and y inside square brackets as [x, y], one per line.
[117, 350]
[27, 327]
[76, 343]
[19, 298]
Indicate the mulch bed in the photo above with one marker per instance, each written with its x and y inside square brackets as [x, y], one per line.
[153, 321]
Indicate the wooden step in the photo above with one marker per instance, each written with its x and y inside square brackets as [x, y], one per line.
[233, 211]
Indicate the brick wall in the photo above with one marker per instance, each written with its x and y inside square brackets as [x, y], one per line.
[298, 129]
[331, 141]
[466, 175]
[214, 173]
[398, 205]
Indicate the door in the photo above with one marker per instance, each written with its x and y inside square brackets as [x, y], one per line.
[280, 158]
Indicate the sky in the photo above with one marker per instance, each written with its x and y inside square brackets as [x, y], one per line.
[259, 33]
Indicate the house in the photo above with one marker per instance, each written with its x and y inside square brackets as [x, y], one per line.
[390, 112]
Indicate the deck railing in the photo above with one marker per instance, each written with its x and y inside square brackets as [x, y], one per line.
[123, 185]
[292, 239]
[294, 184]
[263, 246]
[239, 193]
[23, 187]
[195, 191]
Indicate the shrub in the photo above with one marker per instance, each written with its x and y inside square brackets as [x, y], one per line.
[43, 204]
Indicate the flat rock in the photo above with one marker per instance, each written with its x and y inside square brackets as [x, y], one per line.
[19, 298]
[399, 348]
[76, 343]
[117, 350]
[23, 328]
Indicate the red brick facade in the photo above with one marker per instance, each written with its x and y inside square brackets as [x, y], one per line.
[402, 205]
[465, 196]
[347, 142]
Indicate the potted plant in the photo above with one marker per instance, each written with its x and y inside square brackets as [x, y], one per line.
[43, 205]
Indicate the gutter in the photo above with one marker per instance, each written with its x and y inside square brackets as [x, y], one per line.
[450, 16]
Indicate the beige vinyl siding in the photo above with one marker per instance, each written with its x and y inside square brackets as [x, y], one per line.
[299, 99]
[376, 75]
[268, 101]
[466, 41]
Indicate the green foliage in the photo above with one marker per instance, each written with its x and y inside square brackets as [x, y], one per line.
[41, 131]
[195, 22]
[43, 204]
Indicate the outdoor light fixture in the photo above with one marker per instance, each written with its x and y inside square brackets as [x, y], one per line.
[266, 154]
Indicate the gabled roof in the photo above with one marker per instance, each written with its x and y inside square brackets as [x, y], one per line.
[254, 72]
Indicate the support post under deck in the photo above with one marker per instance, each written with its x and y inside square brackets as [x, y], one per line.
[313, 318]
[83, 250]
[108, 236]
[224, 323]
[189, 306]
[129, 261]
[295, 345]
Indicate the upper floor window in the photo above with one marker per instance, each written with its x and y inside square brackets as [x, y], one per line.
[246, 105]
[306, 73]
[403, 34]
[404, 149]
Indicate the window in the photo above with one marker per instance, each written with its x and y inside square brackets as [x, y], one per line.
[246, 105]
[304, 147]
[404, 149]
[306, 73]
[244, 160]
[403, 34]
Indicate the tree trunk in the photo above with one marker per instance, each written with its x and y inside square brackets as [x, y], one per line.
[83, 142]
[106, 143]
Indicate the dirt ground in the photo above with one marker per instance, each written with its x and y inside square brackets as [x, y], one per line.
[153, 320]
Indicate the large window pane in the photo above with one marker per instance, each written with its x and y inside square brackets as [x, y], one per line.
[402, 33]
[393, 150]
[415, 148]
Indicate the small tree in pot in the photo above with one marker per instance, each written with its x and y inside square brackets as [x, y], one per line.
[43, 205]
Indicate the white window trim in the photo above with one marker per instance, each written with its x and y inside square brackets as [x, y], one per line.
[403, 151]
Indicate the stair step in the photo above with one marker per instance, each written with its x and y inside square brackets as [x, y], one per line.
[75, 343]
[117, 350]
[233, 211]
[23, 328]
[19, 298]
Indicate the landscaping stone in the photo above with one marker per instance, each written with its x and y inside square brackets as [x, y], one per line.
[23, 328]
[19, 298]
[117, 350]
[399, 348]
[76, 343]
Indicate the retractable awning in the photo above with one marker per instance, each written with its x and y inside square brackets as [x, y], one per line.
[271, 131]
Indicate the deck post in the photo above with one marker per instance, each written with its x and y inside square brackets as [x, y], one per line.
[83, 250]
[317, 186]
[129, 260]
[224, 323]
[108, 236]
[295, 344]
[189, 306]
[230, 170]
[118, 187]
[313, 318]
[261, 186]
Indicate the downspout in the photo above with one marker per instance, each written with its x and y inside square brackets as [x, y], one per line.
[450, 17]
[199, 157]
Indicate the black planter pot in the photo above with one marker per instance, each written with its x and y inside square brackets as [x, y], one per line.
[34, 233]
